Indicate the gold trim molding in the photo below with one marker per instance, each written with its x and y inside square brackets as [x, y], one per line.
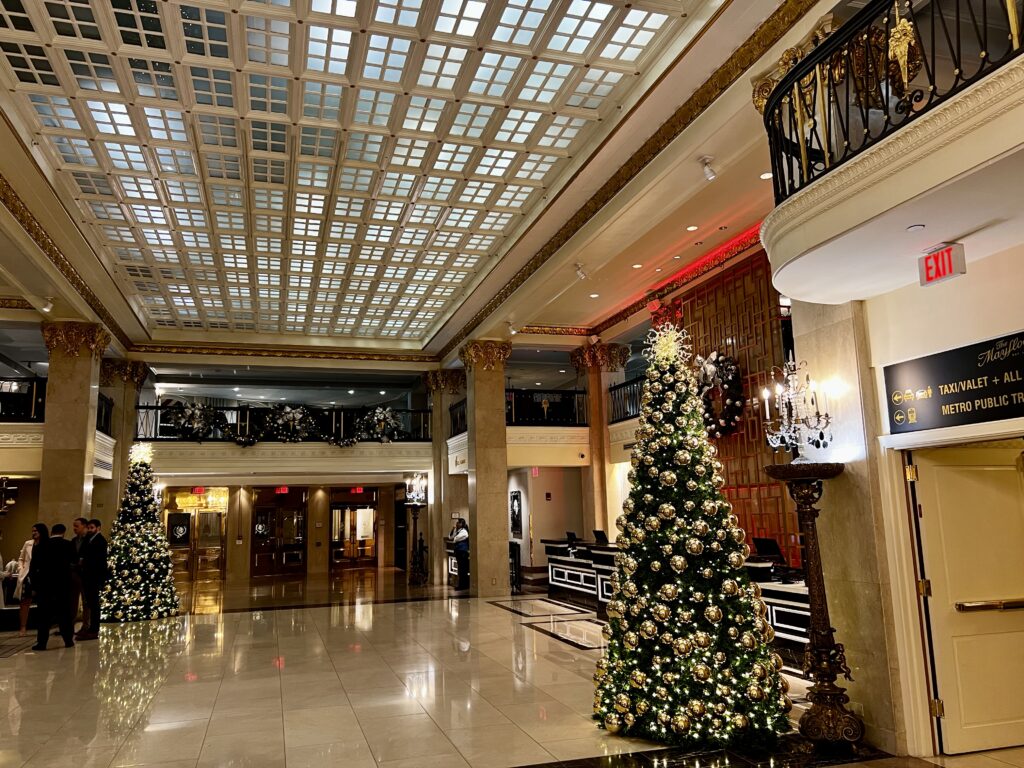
[556, 330]
[604, 357]
[73, 338]
[15, 302]
[280, 352]
[485, 355]
[746, 56]
[113, 370]
[451, 379]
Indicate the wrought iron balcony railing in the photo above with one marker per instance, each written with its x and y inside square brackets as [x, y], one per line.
[532, 408]
[624, 400]
[22, 400]
[892, 62]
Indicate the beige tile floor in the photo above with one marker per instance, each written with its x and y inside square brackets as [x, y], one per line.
[445, 683]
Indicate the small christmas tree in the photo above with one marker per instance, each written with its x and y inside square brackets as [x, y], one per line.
[688, 658]
[141, 585]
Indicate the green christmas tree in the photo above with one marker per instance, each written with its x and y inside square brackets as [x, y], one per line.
[688, 659]
[141, 585]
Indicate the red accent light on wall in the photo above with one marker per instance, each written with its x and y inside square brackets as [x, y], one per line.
[281, 490]
[535, 471]
[357, 489]
[199, 490]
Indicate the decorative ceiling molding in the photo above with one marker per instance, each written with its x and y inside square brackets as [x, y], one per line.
[485, 355]
[604, 357]
[75, 338]
[14, 302]
[767, 35]
[556, 330]
[300, 353]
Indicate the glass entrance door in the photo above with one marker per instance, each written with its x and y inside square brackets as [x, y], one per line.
[353, 528]
[195, 520]
[279, 531]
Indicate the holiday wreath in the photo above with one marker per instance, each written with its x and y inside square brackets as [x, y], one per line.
[720, 373]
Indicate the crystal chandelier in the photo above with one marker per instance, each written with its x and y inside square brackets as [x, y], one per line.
[797, 414]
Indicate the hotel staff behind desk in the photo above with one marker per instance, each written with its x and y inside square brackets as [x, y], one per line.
[460, 539]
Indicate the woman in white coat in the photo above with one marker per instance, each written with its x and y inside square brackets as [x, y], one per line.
[23, 592]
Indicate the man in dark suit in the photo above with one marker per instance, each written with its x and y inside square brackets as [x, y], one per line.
[94, 578]
[50, 574]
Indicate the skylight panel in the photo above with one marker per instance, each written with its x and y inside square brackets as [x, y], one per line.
[267, 136]
[387, 210]
[471, 120]
[220, 165]
[535, 167]
[193, 239]
[103, 210]
[92, 71]
[166, 124]
[191, 217]
[111, 117]
[30, 63]
[453, 157]
[409, 152]
[386, 58]
[267, 40]
[520, 21]
[153, 79]
[561, 132]
[397, 184]
[373, 107]
[312, 174]
[92, 183]
[212, 87]
[351, 207]
[365, 147]
[268, 170]
[545, 81]
[74, 150]
[437, 188]
[514, 196]
[477, 192]
[494, 74]
[460, 17]
[579, 26]
[495, 162]
[517, 126]
[54, 111]
[322, 101]
[403, 13]
[424, 214]
[73, 18]
[218, 131]
[481, 243]
[308, 202]
[126, 157]
[496, 221]
[591, 91]
[328, 49]
[205, 30]
[227, 195]
[139, 23]
[441, 66]
[423, 114]
[149, 214]
[355, 179]
[460, 218]
[345, 8]
[273, 225]
[268, 94]
[13, 16]
[413, 237]
[633, 34]
[184, 191]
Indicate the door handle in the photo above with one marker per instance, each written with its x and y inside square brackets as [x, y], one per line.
[975, 606]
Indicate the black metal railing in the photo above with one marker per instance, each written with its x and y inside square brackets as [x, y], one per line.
[886, 66]
[104, 414]
[458, 418]
[234, 423]
[542, 408]
[624, 400]
[22, 400]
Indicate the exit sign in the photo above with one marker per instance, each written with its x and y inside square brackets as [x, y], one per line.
[943, 263]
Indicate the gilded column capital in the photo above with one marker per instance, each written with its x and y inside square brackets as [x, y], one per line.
[129, 371]
[72, 338]
[606, 357]
[485, 355]
[452, 380]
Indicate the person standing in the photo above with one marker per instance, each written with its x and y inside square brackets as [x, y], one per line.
[460, 538]
[50, 574]
[23, 591]
[94, 577]
[78, 527]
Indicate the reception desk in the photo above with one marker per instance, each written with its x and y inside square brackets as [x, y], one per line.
[580, 573]
[452, 565]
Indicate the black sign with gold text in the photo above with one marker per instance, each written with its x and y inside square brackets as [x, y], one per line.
[970, 385]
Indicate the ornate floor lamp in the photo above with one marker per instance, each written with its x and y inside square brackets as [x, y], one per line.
[415, 499]
[801, 418]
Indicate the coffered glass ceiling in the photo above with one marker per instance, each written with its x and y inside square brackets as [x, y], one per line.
[316, 167]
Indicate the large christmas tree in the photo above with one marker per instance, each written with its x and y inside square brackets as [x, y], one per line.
[688, 659]
[141, 584]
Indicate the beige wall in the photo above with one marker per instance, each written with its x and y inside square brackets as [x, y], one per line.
[519, 480]
[318, 531]
[564, 512]
[16, 526]
[239, 534]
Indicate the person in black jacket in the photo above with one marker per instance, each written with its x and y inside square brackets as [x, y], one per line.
[50, 574]
[94, 578]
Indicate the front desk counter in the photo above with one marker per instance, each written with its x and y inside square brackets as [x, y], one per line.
[581, 574]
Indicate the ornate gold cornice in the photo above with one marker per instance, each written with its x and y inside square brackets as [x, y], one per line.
[313, 353]
[129, 371]
[453, 380]
[746, 241]
[13, 203]
[74, 338]
[485, 355]
[605, 357]
[14, 302]
[764, 37]
[556, 330]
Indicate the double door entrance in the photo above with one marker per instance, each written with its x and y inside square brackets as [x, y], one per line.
[195, 523]
[353, 528]
[279, 531]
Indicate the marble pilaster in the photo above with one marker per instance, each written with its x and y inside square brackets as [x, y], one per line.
[69, 434]
[121, 381]
[488, 466]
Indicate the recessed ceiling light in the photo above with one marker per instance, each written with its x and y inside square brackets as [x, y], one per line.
[692, 228]
[561, 371]
[263, 397]
[637, 266]
[915, 227]
[699, 242]
[595, 295]
[280, 398]
[332, 402]
[677, 257]
[235, 389]
[351, 391]
[658, 269]
[766, 175]
[383, 392]
[537, 383]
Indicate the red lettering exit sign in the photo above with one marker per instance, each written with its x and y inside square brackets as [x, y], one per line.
[943, 263]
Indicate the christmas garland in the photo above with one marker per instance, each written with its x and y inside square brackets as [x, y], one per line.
[295, 424]
[194, 421]
[289, 425]
[720, 372]
[380, 425]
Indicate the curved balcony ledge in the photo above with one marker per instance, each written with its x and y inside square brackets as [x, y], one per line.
[818, 240]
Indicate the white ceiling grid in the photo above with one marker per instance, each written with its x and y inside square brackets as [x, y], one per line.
[316, 167]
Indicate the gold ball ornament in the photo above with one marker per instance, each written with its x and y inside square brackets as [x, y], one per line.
[682, 458]
[648, 459]
[699, 470]
[783, 684]
[682, 646]
[661, 692]
[639, 535]
[713, 614]
[615, 608]
[628, 719]
[785, 704]
[696, 707]
[652, 523]
[655, 565]
[612, 723]
[642, 707]
[740, 722]
[648, 629]
[628, 505]
[736, 560]
[622, 702]
[730, 587]
[656, 417]
[661, 612]
[721, 535]
[715, 546]
[663, 717]
[621, 522]
[747, 640]
[691, 485]
[718, 481]
[623, 542]
[697, 597]
[631, 640]
[755, 692]
[652, 471]
[630, 589]
[606, 631]
[668, 592]
[667, 511]
[668, 478]
[702, 639]
[733, 633]
[701, 528]
[637, 679]
[759, 671]
[694, 546]
[720, 708]
[739, 535]
[707, 573]
[666, 638]
[701, 672]
[678, 563]
[689, 506]
[680, 723]
[647, 498]
[686, 616]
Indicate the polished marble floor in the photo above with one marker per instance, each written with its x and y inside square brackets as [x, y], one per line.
[417, 684]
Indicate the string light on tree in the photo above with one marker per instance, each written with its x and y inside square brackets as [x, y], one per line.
[140, 586]
[688, 659]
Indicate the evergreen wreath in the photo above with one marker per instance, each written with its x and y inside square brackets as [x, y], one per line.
[381, 425]
[288, 425]
[720, 372]
[194, 421]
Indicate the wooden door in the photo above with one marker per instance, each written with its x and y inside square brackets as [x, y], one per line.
[972, 531]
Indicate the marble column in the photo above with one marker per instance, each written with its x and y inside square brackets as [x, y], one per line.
[446, 387]
[488, 466]
[602, 365]
[833, 340]
[69, 434]
[120, 380]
